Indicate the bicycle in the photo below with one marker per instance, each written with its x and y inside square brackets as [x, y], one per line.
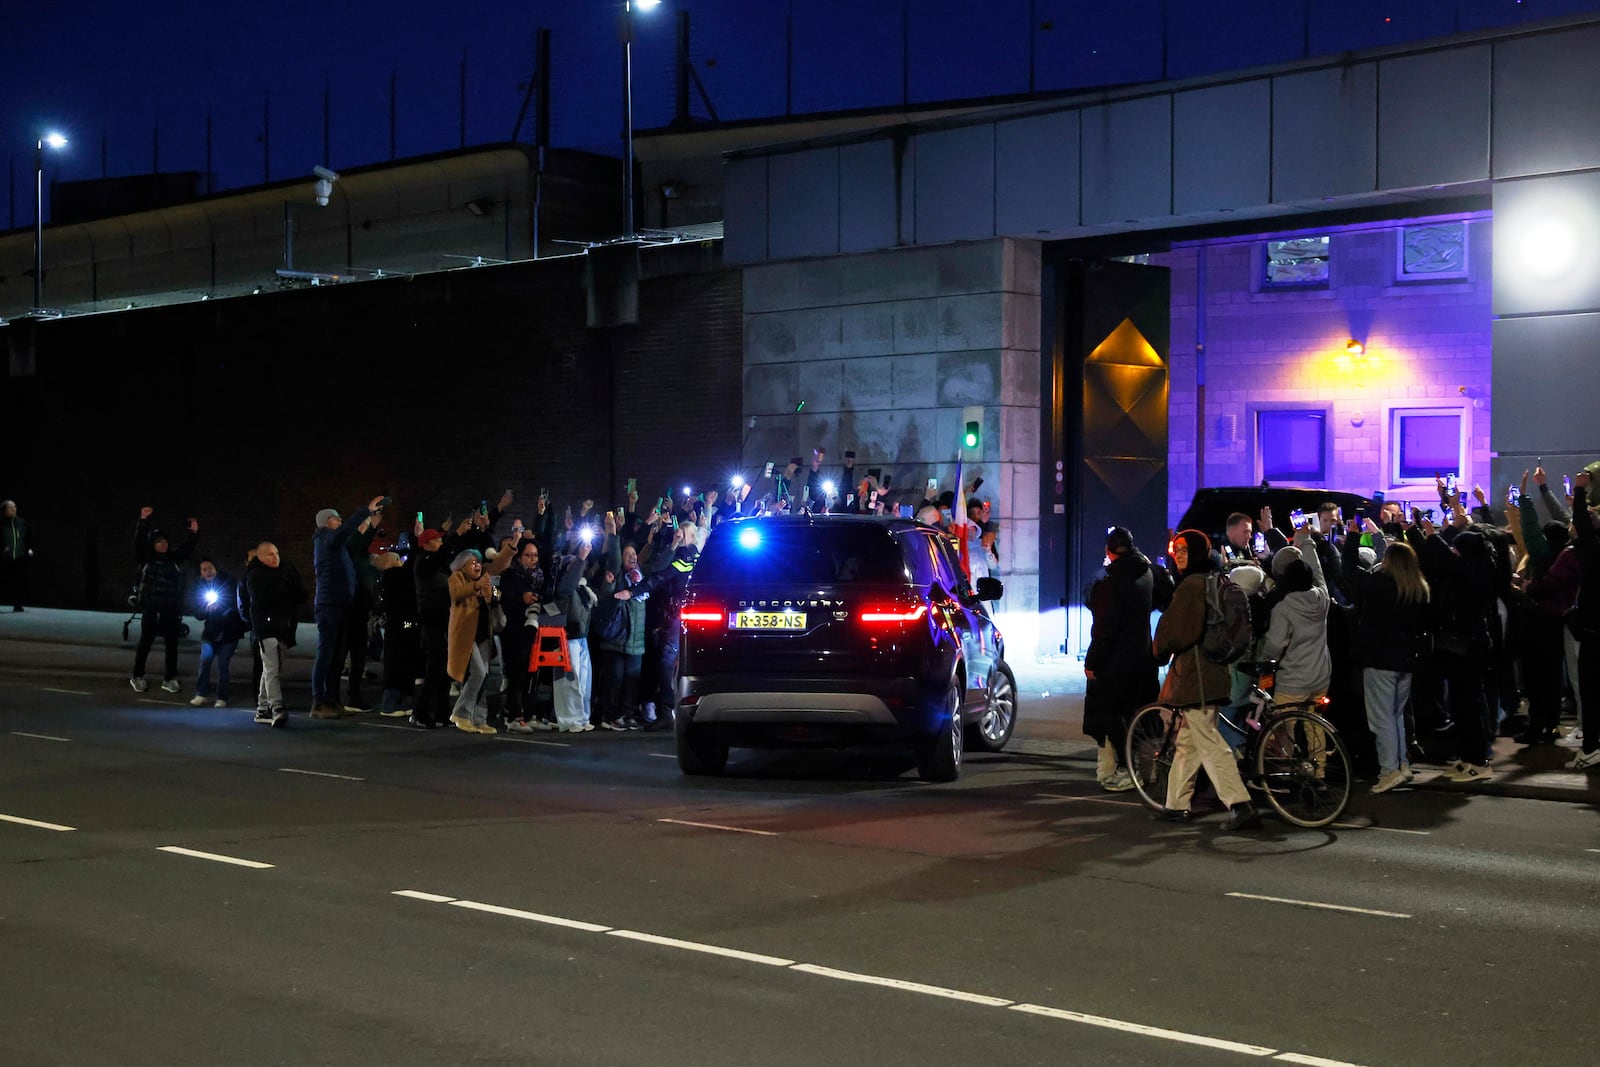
[1291, 754]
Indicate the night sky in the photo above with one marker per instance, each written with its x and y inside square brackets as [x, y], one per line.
[125, 84]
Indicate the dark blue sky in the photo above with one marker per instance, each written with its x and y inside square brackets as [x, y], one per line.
[107, 70]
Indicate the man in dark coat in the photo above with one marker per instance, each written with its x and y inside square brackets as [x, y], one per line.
[275, 591]
[336, 586]
[1119, 666]
[16, 553]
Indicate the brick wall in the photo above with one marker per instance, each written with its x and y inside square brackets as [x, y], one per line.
[442, 389]
[1427, 343]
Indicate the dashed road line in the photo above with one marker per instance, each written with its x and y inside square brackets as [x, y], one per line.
[69, 692]
[39, 737]
[535, 741]
[1143, 1030]
[718, 826]
[321, 774]
[661, 755]
[1385, 829]
[898, 984]
[1092, 800]
[35, 823]
[214, 857]
[1322, 906]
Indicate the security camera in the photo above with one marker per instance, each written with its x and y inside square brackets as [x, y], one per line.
[324, 188]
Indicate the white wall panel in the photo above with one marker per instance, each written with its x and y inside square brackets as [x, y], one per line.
[1222, 140]
[744, 210]
[869, 196]
[1324, 133]
[1433, 118]
[955, 184]
[803, 199]
[1036, 174]
[1127, 160]
[1546, 90]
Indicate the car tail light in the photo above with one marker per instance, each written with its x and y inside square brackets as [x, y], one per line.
[702, 617]
[893, 614]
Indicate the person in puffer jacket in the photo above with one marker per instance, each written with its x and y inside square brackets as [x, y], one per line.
[160, 597]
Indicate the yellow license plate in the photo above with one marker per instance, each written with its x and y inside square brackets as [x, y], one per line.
[770, 620]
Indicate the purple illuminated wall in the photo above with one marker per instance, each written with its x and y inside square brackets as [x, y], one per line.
[1418, 394]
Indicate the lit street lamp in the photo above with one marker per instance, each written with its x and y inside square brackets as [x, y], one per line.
[54, 140]
[628, 8]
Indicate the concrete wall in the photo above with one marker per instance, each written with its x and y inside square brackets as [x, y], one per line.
[1428, 343]
[887, 350]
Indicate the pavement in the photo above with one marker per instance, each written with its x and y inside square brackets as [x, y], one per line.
[1050, 690]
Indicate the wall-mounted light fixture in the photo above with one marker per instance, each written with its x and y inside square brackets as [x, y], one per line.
[1355, 348]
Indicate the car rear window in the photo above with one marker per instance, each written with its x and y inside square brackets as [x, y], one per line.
[762, 550]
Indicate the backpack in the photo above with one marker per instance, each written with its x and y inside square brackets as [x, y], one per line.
[610, 623]
[1228, 634]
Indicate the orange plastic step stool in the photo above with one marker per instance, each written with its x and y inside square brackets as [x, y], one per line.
[550, 650]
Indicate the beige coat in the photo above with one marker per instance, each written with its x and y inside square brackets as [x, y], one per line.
[465, 604]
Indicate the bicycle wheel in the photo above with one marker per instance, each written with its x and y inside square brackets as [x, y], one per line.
[1304, 768]
[1152, 739]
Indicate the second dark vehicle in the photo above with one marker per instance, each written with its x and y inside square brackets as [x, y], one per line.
[840, 630]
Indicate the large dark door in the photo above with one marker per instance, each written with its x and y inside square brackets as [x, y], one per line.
[1108, 432]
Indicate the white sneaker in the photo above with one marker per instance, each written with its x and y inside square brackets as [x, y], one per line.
[518, 726]
[171, 685]
[1573, 738]
[1120, 782]
[220, 704]
[139, 684]
[1387, 781]
[198, 702]
[1584, 761]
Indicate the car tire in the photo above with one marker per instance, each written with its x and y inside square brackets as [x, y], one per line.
[698, 753]
[939, 755]
[998, 718]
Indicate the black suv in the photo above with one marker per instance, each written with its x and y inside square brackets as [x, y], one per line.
[839, 630]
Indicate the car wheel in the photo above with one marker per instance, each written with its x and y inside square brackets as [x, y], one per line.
[939, 756]
[999, 717]
[698, 753]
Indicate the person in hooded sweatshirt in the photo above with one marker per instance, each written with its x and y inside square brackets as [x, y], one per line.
[1120, 669]
[1200, 685]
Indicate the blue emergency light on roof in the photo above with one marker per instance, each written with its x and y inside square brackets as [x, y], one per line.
[749, 537]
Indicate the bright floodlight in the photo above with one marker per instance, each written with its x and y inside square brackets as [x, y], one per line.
[737, 480]
[55, 140]
[646, 5]
[749, 537]
[1549, 247]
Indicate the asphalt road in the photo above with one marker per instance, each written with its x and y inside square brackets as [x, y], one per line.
[432, 897]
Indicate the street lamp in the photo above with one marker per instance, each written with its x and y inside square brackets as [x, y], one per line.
[628, 8]
[54, 140]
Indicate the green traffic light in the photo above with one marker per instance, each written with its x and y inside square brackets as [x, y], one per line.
[971, 438]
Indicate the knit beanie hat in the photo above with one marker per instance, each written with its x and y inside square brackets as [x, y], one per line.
[1283, 557]
[1369, 557]
[1199, 551]
[1117, 538]
[324, 515]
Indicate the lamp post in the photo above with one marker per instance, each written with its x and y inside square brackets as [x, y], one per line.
[54, 140]
[628, 8]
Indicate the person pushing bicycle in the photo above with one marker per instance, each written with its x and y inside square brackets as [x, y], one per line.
[1200, 685]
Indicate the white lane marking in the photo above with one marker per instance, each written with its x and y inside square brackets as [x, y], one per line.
[897, 983]
[1385, 829]
[535, 741]
[70, 692]
[20, 821]
[668, 755]
[1592, 850]
[214, 857]
[716, 826]
[890, 983]
[39, 737]
[1147, 1031]
[532, 916]
[1325, 907]
[321, 774]
[163, 703]
[697, 946]
[1312, 1061]
[1093, 800]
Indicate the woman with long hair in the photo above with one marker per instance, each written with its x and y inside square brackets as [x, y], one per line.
[1392, 623]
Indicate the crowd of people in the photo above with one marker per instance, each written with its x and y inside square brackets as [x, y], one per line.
[465, 619]
[1428, 639]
